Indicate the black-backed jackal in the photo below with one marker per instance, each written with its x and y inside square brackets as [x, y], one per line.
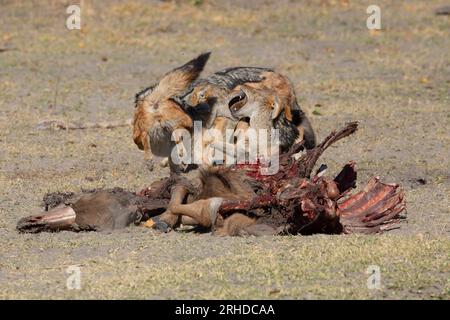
[213, 92]
[160, 112]
[265, 113]
[157, 115]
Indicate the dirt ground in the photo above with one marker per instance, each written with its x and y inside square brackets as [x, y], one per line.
[396, 82]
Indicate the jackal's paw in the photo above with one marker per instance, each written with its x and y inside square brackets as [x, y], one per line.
[150, 164]
[157, 224]
[164, 163]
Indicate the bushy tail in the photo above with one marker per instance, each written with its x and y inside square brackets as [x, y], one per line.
[300, 119]
[178, 80]
[309, 135]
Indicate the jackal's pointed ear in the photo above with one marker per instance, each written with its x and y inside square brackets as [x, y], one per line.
[177, 81]
[276, 106]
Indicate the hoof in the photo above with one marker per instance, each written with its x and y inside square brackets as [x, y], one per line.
[156, 224]
[161, 226]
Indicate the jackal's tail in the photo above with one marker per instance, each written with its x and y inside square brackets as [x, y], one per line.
[309, 135]
[178, 80]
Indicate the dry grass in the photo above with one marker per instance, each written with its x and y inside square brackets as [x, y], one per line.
[395, 82]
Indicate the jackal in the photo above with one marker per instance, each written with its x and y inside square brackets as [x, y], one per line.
[157, 115]
[264, 110]
[212, 94]
[159, 112]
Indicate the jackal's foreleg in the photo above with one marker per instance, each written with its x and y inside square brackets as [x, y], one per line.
[148, 157]
[182, 153]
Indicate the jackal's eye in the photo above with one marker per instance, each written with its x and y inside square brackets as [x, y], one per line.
[201, 95]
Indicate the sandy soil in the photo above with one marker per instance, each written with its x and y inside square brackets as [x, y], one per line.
[396, 82]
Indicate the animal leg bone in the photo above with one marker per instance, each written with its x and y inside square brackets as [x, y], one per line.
[168, 220]
[203, 211]
[59, 218]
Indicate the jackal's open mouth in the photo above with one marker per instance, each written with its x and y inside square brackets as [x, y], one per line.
[237, 102]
